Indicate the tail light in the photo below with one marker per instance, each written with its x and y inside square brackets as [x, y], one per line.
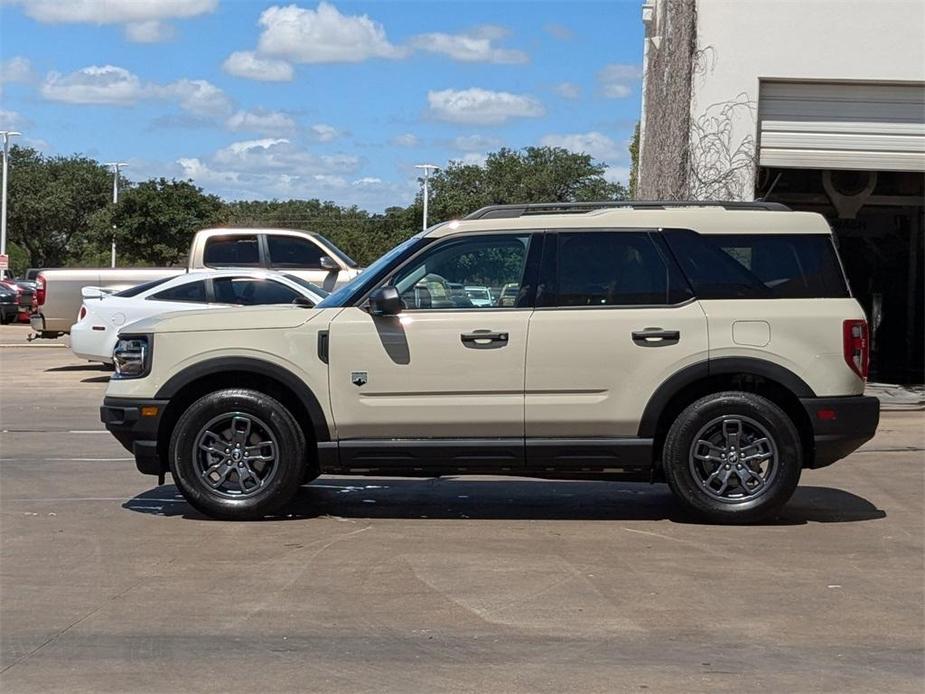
[857, 346]
[82, 314]
[40, 289]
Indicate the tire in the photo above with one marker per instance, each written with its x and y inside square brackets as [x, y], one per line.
[725, 482]
[6, 319]
[247, 444]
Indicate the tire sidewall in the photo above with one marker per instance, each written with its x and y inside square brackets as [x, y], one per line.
[680, 438]
[290, 456]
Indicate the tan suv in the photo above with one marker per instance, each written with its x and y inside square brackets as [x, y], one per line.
[715, 347]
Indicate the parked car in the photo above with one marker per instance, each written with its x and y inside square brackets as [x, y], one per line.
[25, 298]
[301, 253]
[715, 347]
[101, 316]
[9, 304]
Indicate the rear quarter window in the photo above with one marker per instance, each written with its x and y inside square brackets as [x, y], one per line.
[759, 266]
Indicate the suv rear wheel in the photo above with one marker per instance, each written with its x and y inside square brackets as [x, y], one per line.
[733, 457]
[237, 454]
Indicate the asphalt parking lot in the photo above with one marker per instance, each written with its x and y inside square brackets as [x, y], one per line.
[109, 583]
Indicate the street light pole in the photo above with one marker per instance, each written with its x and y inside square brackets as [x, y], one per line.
[7, 134]
[427, 169]
[116, 167]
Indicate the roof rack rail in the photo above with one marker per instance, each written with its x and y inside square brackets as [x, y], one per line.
[511, 211]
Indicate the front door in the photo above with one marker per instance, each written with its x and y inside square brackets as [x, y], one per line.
[442, 383]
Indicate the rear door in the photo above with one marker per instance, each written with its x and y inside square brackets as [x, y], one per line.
[614, 320]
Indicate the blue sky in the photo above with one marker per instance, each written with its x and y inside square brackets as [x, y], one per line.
[336, 100]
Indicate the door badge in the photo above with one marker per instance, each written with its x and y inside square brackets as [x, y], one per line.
[358, 378]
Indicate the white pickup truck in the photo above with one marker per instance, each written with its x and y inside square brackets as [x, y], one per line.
[302, 253]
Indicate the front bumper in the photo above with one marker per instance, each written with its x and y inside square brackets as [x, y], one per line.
[135, 422]
[840, 426]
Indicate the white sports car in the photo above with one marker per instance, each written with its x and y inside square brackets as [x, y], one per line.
[102, 315]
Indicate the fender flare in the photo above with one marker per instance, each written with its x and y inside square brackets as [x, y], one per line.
[717, 367]
[256, 366]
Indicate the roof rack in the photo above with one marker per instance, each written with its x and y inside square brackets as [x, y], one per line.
[510, 211]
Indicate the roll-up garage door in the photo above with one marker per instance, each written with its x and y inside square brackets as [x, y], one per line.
[842, 125]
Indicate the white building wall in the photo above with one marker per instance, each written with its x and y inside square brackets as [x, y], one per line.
[740, 42]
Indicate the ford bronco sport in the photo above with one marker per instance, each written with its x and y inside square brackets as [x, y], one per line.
[712, 346]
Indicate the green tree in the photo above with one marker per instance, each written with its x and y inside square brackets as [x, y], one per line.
[634, 163]
[156, 219]
[52, 201]
[533, 174]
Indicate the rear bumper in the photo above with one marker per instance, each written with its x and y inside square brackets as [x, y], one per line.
[840, 426]
[136, 430]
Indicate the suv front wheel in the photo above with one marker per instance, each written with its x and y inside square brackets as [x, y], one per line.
[733, 457]
[237, 454]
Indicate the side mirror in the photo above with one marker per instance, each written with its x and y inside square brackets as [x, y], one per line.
[385, 301]
[304, 302]
[327, 263]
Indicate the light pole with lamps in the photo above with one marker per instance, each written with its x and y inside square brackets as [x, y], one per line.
[7, 134]
[116, 167]
[427, 169]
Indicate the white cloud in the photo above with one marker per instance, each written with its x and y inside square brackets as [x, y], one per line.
[322, 132]
[616, 79]
[406, 140]
[150, 31]
[143, 18]
[322, 35]
[96, 84]
[260, 121]
[281, 155]
[481, 107]
[473, 143]
[568, 90]
[367, 181]
[116, 86]
[475, 46]
[16, 69]
[199, 97]
[10, 120]
[254, 67]
[594, 143]
[473, 158]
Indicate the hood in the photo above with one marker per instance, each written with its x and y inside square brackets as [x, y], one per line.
[225, 319]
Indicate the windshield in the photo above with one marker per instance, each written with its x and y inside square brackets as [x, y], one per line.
[313, 288]
[370, 276]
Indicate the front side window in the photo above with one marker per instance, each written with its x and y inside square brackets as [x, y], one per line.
[614, 268]
[294, 252]
[759, 266]
[232, 251]
[475, 272]
[249, 291]
[194, 292]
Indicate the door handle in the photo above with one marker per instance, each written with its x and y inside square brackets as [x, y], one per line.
[655, 335]
[483, 337]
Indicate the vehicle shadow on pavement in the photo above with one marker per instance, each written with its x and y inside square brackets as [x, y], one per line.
[79, 367]
[454, 498]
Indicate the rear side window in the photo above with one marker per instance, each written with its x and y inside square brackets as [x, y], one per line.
[247, 291]
[294, 252]
[139, 288]
[232, 251]
[606, 268]
[194, 292]
[759, 266]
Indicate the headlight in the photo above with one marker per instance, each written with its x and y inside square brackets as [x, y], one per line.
[132, 356]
